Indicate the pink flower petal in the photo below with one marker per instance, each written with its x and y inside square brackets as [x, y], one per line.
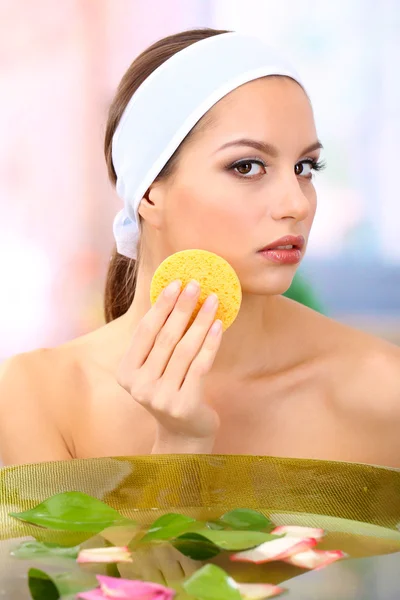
[113, 554]
[297, 531]
[315, 559]
[128, 589]
[275, 550]
[259, 591]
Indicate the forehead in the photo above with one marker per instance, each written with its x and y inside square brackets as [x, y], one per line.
[270, 106]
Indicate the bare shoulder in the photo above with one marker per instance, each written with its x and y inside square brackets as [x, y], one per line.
[364, 370]
[367, 395]
[49, 373]
[371, 372]
[368, 366]
[360, 376]
[37, 371]
[35, 388]
[44, 393]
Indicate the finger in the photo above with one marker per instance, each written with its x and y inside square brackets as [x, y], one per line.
[204, 360]
[149, 327]
[190, 345]
[168, 563]
[145, 567]
[172, 331]
[149, 567]
[189, 566]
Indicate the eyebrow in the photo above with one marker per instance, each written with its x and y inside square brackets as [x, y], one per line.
[267, 148]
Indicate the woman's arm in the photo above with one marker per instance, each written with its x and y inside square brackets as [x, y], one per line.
[165, 366]
[28, 427]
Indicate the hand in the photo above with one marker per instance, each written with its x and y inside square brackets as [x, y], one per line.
[165, 367]
[159, 563]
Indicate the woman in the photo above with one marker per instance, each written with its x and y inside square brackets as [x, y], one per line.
[217, 150]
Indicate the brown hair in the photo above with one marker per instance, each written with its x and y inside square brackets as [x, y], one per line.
[122, 271]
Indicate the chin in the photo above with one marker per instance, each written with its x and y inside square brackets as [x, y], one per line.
[271, 283]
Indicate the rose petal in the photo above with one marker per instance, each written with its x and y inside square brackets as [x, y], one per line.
[128, 589]
[275, 550]
[113, 554]
[315, 559]
[259, 591]
[297, 531]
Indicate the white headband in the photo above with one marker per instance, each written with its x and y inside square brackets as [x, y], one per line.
[168, 105]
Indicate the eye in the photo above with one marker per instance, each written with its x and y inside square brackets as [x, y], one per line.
[306, 167]
[249, 168]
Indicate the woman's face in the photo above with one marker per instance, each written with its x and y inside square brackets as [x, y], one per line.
[244, 181]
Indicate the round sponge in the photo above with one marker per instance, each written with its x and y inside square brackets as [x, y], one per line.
[214, 274]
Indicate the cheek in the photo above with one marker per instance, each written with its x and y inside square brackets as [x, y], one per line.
[204, 216]
[310, 195]
[313, 207]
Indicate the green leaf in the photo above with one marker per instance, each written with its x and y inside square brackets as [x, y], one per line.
[207, 543]
[170, 526]
[41, 586]
[196, 546]
[236, 540]
[73, 511]
[247, 519]
[33, 549]
[45, 587]
[212, 583]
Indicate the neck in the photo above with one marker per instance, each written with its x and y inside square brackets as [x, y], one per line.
[246, 347]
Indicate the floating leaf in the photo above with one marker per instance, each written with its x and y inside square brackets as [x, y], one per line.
[207, 543]
[170, 526]
[41, 586]
[73, 511]
[196, 546]
[45, 587]
[243, 518]
[236, 540]
[212, 583]
[34, 549]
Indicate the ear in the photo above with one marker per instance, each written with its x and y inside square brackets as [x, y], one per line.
[152, 204]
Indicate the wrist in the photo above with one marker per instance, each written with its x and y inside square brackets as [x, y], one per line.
[179, 444]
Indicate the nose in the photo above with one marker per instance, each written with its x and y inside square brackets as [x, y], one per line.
[291, 199]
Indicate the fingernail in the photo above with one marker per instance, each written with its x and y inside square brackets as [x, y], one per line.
[172, 288]
[192, 288]
[216, 328]
[211, 302]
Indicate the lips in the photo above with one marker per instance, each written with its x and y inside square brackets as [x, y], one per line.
[288, 242]
[285, 251]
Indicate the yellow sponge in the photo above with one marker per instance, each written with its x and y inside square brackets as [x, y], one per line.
[214, 274]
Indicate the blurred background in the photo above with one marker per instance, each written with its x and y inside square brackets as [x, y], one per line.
[60, 63]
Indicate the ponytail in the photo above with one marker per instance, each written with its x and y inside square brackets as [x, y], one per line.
[120, 286]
